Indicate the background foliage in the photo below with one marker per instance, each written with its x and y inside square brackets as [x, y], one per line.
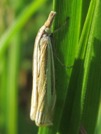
[77, 44]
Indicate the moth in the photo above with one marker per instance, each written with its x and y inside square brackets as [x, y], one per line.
[43, 88]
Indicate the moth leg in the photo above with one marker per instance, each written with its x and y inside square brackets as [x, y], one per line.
[62, 27]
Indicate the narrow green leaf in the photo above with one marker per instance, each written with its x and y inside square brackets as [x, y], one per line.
[65, 41]
[12, 85]
[92, 76]
[19, 23]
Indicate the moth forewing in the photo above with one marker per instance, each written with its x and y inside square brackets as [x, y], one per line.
[47, 97]
[36, 67]
[51, 76]
[43, 89]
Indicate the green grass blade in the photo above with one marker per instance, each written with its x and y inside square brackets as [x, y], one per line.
[65, 44]
[98, 127]
[82, 96]
[19, 23]
[3, 95]
[92, 75]
[12, 85]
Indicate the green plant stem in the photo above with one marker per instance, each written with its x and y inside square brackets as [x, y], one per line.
[12, 85]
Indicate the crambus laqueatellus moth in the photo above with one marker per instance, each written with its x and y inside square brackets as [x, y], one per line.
[43, 90]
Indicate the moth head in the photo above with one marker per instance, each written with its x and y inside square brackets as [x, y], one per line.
[49, 21]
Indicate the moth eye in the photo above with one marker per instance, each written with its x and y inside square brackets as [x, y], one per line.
[47, 30]
[44, 35]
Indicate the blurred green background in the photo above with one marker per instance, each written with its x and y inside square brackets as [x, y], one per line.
[78, 88]
[19, 23]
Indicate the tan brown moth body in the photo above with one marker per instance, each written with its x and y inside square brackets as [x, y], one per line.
[43, 91]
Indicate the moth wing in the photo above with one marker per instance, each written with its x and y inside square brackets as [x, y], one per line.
[46, 84]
